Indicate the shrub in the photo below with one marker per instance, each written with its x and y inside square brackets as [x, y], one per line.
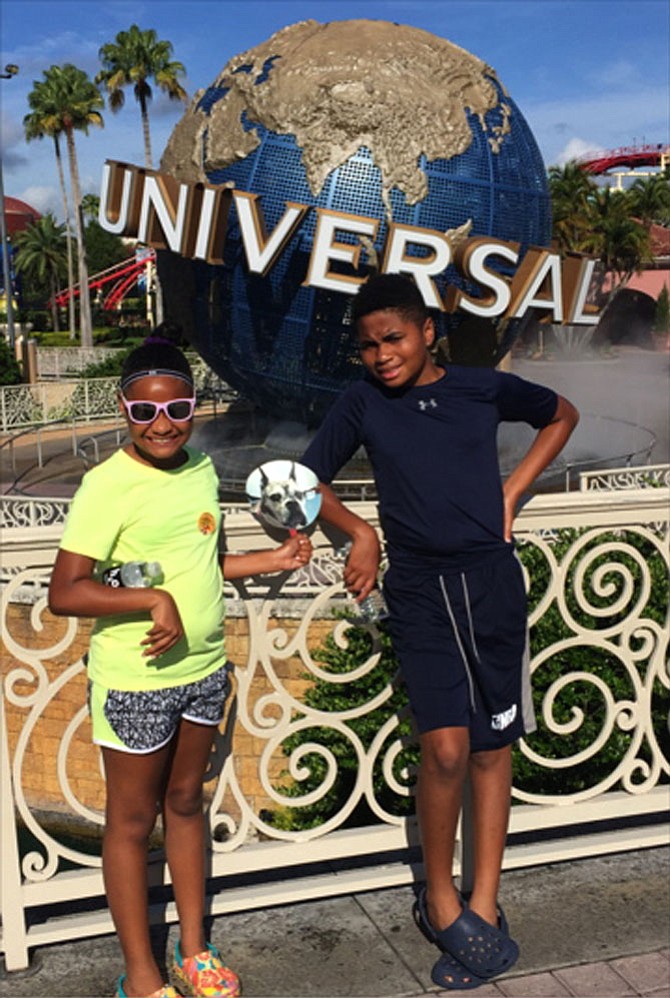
[60, 339]
[327, 697]
[10, 372]
[579, 696]
[662, 314]
[41, 320]
[110, 367]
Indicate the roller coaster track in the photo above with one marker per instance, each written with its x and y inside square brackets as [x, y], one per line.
[628, 157]
[122, 276]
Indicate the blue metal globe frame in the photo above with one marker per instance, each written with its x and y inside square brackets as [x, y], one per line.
[290, 348]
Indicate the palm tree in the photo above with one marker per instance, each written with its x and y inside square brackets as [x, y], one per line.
[40, 100]
[135, 57]
[602, 222]
[72, 104]
[649, 199]
[41, 255]
[621, 242]
[90, 206]
[572, 189]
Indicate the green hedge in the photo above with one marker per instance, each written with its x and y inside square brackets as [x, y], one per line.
[601, 664]
[10, 372]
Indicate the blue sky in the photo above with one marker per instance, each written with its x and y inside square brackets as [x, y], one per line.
[586, 74]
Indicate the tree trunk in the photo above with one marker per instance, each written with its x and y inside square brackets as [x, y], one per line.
[148, 162]
[54, 306]
[85, 323]
[68, 239]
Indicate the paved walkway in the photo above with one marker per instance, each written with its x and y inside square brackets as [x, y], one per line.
[593, 927]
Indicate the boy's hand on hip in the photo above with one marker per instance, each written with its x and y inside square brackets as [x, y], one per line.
[167, 627]
[509, 512]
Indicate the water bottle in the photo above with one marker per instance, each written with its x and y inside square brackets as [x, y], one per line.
[371, 610]
[133, 574]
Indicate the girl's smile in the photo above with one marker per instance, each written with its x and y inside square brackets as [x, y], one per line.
[159, 442]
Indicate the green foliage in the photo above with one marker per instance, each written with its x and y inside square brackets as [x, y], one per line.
[41, 259]
[649, 198]
[580, 701]
[119, 336]
[103, 249]
[110, 367]
[571, 189]
[662, 314]
[39, 318]
[329, 697]
[133, 59]
[611, 225]
[10, 372]
[133, 306]
[53, 339]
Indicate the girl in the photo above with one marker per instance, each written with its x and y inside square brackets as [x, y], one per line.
[158, 676]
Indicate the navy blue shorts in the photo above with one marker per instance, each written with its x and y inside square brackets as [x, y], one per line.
[461, 639]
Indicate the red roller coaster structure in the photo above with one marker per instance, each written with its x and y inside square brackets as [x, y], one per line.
[630, 157]
[122, 276]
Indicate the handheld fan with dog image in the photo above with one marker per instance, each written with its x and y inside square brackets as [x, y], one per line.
[284, 494]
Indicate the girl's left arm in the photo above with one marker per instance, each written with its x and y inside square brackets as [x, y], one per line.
[549, 442]
[293, 553]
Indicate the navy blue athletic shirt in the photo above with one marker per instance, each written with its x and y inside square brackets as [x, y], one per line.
[434, 455]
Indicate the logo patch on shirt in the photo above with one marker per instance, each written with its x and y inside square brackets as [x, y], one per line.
[427, 404]
[503, 720]
[206, 523]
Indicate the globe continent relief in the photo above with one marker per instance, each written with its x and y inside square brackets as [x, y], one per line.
[364, 117]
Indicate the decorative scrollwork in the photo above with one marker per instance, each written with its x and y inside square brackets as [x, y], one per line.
[314, 740]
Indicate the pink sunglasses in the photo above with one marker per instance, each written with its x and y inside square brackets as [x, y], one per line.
[145, 411]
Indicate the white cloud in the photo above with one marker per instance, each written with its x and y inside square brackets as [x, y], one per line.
[43, 199]
[13, 142]
[609, 120]
[67, 46]
[613, 74]
[576, 148]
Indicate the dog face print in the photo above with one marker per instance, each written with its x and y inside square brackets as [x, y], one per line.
[282, 501]
[284, 494]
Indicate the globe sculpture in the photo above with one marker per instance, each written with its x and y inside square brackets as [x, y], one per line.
[364, 117]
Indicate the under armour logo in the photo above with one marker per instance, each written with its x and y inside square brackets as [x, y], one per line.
[503, 720]
[430, 404]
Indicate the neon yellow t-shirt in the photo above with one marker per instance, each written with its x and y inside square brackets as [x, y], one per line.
[128, 511]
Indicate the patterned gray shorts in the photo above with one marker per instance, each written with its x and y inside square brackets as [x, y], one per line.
[145, 720]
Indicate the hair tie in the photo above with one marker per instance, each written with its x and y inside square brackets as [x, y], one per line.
[157, 338]
[155, 372]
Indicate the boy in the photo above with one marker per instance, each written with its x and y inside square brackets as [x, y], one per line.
[454, 588]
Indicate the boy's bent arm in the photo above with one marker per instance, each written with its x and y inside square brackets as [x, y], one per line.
[360, 571]
[549, 442]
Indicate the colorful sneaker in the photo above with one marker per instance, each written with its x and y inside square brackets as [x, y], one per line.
[204, 975]
[167, 991]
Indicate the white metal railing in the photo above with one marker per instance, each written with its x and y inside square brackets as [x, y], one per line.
[59, 362]
[27, 511]
[24, 512]
[63, 362]
[82, 400]
[649, 476]
[596, 568]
